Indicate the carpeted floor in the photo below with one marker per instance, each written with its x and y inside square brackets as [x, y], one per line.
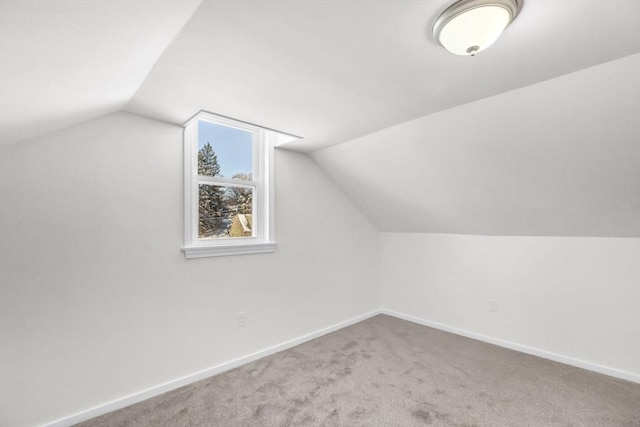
[389, 372]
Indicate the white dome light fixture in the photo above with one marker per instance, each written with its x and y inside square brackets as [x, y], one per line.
[470, 26]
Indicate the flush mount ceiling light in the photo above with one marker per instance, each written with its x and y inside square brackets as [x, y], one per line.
[470, 26]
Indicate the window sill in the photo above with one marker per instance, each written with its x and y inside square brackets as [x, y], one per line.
[209, 251]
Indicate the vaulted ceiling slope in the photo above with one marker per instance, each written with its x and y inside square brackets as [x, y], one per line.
[559, 158]
[334, 71]
[65, 62]
[328, 71]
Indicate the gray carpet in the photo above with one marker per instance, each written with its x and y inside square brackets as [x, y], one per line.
[389, 372]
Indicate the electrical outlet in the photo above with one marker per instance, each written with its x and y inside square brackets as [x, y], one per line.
[493, 305]
[242, 319]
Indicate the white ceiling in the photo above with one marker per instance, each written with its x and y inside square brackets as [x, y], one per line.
[65, 62]
[503, 144]
[559, 158]
[332, 71]
[329, 71]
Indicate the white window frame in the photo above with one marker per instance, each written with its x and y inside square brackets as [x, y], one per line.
[263, 239]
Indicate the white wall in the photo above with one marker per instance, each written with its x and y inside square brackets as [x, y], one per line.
[574, 296]
[98, 302]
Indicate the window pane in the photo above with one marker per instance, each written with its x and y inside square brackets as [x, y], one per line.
[224, 151]
[225, 211]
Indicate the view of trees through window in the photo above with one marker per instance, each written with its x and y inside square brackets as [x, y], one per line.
[224, 210]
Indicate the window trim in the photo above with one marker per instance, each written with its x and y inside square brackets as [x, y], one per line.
[264, 144]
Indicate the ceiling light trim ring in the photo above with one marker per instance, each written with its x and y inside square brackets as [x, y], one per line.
[462, 6]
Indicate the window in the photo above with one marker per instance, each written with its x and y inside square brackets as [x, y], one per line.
[228, 186]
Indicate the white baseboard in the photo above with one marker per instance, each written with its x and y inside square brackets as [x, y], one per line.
[197, 376]
[519, 347]
[218, 369]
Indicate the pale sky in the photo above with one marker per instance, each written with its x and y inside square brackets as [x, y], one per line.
[234, 147]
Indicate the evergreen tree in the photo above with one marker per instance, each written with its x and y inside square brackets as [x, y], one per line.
[241, 199]
[208, 161]
[214, 212]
